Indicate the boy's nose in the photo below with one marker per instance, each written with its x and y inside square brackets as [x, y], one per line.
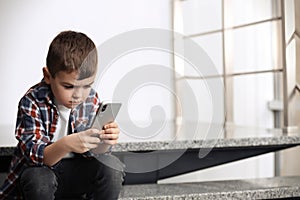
[77, 94]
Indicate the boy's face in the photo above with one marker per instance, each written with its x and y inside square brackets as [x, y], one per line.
[66, 89]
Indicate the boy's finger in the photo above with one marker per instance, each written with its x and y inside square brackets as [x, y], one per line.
[110, 142]
[109, 136]
[92, 131]
[111, 125]
[94, 140]
[112, 131]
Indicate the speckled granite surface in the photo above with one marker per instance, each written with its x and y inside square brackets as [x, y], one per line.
[6, 151]
[270, 137]
[266, 188]
[225, 142]
[237, 137]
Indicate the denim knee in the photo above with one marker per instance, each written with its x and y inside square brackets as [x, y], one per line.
[110, 161]
[38, 183]
[110, 177]
[112, 166]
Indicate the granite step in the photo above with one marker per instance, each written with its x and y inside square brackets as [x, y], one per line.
[149, 161]
[262, 188]
[248, 189]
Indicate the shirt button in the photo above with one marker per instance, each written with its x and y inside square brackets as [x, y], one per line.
[56, 116]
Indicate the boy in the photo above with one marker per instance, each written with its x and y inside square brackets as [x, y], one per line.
[54, 157]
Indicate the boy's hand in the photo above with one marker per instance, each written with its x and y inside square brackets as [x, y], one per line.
[83, 141]
[110, 133]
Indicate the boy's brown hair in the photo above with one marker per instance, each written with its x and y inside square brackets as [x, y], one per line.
[72, 51]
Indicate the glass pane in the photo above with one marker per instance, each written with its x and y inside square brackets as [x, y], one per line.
[240, 12]
[212, 45]
[254, 47]
[251, 96]
[196, 14]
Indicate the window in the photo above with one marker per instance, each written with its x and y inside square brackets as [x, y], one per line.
[243, 40]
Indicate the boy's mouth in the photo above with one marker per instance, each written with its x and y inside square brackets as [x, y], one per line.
[75, 102]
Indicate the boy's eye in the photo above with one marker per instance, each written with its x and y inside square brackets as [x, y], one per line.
[68, 86]
[72, 86]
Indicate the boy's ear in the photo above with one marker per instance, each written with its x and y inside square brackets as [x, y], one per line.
[47, 75]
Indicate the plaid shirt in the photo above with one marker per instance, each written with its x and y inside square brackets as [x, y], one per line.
[36, 123]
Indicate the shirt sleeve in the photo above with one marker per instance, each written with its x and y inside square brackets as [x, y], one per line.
[30, 131]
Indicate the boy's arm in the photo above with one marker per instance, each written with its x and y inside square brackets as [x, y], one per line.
[82, 142]
[54, 152]
[76, 142]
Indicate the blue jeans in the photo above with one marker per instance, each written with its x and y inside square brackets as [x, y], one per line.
[74, 178]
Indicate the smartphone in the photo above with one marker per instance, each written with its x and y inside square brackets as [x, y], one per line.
[107, 113]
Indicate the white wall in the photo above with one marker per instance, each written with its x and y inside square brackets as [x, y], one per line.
[28, 27]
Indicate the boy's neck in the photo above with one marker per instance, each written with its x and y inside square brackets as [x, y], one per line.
[61, 106]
